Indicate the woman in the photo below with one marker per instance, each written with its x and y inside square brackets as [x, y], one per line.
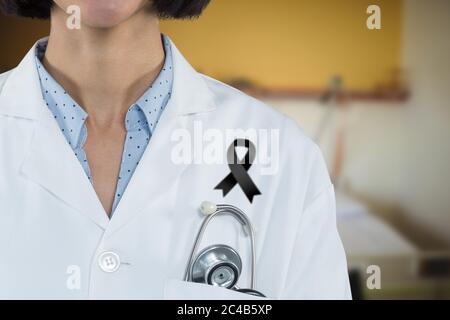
[95, 203]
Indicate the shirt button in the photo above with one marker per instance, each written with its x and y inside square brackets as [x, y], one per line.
[109, 261]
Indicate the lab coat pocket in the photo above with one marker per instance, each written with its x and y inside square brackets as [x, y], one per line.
[182, 290]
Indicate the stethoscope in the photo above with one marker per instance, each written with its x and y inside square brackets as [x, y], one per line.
[220, 265]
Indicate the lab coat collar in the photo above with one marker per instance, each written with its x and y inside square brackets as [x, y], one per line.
[190, 93]
[21, 95]
[51, 163]
[21, 91]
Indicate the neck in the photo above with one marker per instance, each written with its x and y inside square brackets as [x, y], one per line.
[105, 70]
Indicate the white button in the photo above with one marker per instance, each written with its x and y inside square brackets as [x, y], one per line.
[109, 261]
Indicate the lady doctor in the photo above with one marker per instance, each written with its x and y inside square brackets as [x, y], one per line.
[92, 203]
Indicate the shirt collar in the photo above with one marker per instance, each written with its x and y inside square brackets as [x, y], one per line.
[67, 113]
[154, 100]
[143, 114]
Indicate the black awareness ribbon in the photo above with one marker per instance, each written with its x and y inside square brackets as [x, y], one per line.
[239, 174]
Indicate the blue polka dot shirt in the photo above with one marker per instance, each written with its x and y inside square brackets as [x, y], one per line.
[140, 121]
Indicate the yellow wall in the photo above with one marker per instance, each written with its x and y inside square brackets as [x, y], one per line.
[276, 43]
[293, 43]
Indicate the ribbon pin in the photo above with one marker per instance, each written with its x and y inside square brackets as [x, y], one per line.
[239, 174]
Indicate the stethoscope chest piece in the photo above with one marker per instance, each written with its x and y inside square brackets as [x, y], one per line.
[217, 265]
[220, 265]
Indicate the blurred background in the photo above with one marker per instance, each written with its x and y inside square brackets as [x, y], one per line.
[377, 101]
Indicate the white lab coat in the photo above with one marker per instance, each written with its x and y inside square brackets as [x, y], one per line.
[53, 228]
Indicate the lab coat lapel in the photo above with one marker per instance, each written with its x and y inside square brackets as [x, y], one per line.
[53, 165]
[50, 161]
[156, 172]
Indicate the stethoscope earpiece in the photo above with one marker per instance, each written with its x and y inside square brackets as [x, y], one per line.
[208, 208]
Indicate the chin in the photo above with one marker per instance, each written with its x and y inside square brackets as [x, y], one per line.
[108, 13]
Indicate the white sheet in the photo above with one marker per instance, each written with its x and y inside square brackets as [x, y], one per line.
[363, 234]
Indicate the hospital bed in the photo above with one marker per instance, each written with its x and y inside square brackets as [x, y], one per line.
[370, 241]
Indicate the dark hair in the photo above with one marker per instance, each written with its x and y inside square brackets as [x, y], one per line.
[169, 9]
